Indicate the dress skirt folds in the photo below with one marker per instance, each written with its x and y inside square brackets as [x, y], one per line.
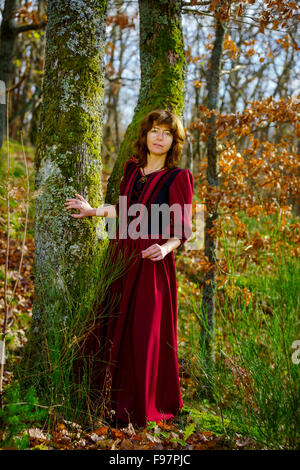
[137, 374]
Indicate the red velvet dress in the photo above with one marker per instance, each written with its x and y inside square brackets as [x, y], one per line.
[139, 376]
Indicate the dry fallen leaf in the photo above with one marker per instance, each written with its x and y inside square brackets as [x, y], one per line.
[129, 430]
[114, 446]
[126, 444]
[94, 437]
[152, 438]
[36, 433]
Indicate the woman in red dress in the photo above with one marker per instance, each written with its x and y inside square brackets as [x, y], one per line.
[139, 359]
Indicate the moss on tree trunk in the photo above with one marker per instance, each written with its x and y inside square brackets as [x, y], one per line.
[208, 293]
[7, 49]
[163, 71]
[68, 157]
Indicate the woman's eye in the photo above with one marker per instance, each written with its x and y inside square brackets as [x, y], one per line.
[165, 133]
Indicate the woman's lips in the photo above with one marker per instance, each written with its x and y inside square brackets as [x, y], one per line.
[157, 145]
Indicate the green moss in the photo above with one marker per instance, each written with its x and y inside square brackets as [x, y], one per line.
[209, 422]
[206, 420]
[68, 159]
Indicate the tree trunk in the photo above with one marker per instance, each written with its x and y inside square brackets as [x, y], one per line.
[8, 35]
[163, 71]
[208, 294]
[68, 149]
[7, 47]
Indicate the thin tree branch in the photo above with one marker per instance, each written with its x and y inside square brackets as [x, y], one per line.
[204, 13]
[202, 4]
[237, 67]
[4, 328]
[29, 27]
[8, 90]
[26, 217]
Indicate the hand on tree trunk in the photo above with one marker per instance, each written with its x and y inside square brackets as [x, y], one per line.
[85, 210]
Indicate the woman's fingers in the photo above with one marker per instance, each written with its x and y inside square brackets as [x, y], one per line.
[151, 248]
[153, 252]
[147, 253]
[75, 200]
[76, 204]
[72, 200]
[157, 258]
[70, 205]
[73, 203]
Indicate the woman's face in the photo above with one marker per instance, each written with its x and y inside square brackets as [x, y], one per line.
[159, 139]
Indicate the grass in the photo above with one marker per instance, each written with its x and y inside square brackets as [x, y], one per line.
[18, 192]
[255, 382]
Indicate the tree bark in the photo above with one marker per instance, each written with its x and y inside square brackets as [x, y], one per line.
[163, 72]
[8, 34]
[208, 294]
[7, 43]
[68, 157]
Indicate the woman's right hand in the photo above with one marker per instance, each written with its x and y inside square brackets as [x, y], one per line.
[81, 204]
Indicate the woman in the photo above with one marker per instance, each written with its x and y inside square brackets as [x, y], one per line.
[140, 337]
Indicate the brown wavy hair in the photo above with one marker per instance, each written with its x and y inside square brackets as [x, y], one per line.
[159, 116]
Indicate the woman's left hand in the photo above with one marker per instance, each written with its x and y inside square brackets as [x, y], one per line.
[154, 252]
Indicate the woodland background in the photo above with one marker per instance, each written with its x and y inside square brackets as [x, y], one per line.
[68, 117]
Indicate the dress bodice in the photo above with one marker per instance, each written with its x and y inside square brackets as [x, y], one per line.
[136, 190]
[161, 187]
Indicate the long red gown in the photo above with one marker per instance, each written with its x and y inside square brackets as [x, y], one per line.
[138, 373]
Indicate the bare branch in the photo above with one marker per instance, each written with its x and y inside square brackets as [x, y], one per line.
[201, 4]
[205, 13]
[4, 328]
[29, 27]
[234, 69]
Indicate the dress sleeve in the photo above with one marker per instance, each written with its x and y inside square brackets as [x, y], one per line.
[181, 192]
[122, 184]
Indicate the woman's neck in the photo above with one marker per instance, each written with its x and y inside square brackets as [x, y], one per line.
[155, 162]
